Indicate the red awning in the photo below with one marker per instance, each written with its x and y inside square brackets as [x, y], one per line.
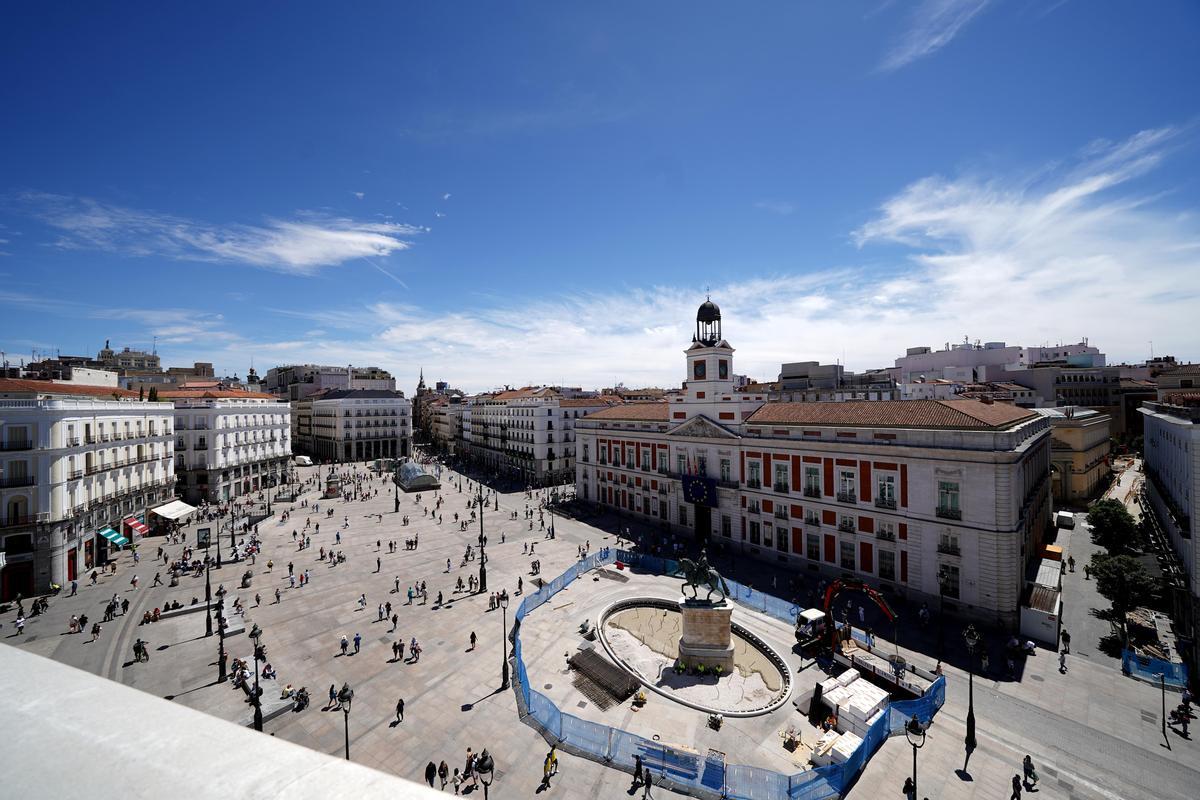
[137, 527]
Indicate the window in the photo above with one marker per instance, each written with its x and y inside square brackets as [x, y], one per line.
[681, 463]
[948, 579]
[755, 480]
[585, 452]
[811, 517]
[781, 477]
[887, 565]
[726, 527]
[662, 462]
[846, 523]
[701, 464]
[682, 514]
[726, 470]
[768, 533]
[754, 533]
[812, 482]
[813, 544]
[948, 543]
[885, 530]
[948, 500]
[723, 369]
[847, 549]
[885, 492]
[628, 457]
[846, 481]
[698, 370]
[781, 540]
[646, 460]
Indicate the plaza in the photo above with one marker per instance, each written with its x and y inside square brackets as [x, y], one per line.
[1091, 730]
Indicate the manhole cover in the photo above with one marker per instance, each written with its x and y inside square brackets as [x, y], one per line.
[548, 686]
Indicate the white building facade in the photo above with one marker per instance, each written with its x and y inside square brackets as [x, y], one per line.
[79, 467]
[914, 496]
[229, 442]
[361, 424]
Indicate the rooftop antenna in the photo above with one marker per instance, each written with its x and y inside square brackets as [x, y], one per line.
[1151, 349]
[154, 348]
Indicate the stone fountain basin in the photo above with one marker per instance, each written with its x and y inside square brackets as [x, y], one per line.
[641, 635]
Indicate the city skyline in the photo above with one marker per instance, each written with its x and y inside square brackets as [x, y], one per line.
[502, 220]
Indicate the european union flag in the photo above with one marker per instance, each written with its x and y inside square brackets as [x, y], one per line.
[700, 490]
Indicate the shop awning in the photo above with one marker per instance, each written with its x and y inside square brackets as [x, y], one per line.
[136, 526]
[176, 509]
[114, 537]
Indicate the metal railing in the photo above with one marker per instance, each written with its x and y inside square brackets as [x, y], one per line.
[812, 491]
[847, 526]
[946, 512]
[885, 502]
[11, 446]
[949, 548]
[16, 482]
[847, 497]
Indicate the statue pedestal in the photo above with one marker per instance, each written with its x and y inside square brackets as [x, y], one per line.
[706, 638]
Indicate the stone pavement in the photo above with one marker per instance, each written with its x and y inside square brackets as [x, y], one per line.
[1092, 732]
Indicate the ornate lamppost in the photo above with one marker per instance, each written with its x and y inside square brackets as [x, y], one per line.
[943, 578]
[221, 655]
[345, 697]
[256, 637]
[485, 767]
[208, 594]
[482, 542]
[972, 639]
[915, 732]
[504, 641]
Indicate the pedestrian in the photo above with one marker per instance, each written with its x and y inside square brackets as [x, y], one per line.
[1066, 641]
[278, 594]
[430, 773]
[1062, 661]
[332, 696]
[345, 643]
[637, 772]
[20, 623]
[1031, 776]
[395, 619]
[472, 640]
[357, 642]
[443, 773]
[96, 631]
[257, 599]
[1071, 563]
[646, 787]
[400, 710]
[1016, 788]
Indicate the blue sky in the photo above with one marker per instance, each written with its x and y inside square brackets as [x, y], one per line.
[542, 192]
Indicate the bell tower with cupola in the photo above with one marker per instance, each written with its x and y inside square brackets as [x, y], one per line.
[709, 379]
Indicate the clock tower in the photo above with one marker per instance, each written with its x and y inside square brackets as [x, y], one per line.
[709, 381]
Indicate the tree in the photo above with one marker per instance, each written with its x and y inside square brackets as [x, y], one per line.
[141, 393]
[153, 394]
[1113, 527]
[1124, 582]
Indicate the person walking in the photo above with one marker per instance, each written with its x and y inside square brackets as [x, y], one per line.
[395, 620]
[430, 773]
[443, 773]
[637, 772]
[1031, 776]
[400, 710]
[345, 643]
[96, 631]
[647, 785]
[278, 594]
[1016, 788]
[1062, 662]
[472, 640]
[1066, 641]
[357, 643]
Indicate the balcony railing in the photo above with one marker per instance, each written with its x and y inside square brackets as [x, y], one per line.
[812, 491]
[75, 474]
[72, 441]
[781, 513]
[814, 521]
[846, 526]
[782, 488]
[16, 482]
[847, 497]
[753, 508]
[946, 512]
[886, 535]
[949, 548]
[754, 483]
[20, 445]
[885, 502]
[14, 521]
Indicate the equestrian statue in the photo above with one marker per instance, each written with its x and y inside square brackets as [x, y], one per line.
[698, 574]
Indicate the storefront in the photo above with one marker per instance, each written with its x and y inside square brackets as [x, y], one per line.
[134, 527]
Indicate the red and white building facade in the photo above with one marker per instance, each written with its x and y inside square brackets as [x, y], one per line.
[906, 495]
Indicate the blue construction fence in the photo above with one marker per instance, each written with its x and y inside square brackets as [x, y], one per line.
[1149, 669]
[684, 768]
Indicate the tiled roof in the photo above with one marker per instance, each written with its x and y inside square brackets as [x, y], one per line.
[526, 392]
[646, 412]
[21, 386]
[586, 402]
[215, 394]
[1184, 398]
[967, 414]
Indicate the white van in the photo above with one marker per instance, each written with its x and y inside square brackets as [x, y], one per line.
[303, 461]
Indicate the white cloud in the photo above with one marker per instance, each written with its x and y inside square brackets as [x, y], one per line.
[359, 195]
[299, 246]
[446, 196]
[934, 23]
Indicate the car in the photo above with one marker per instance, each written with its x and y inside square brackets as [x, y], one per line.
[303, 461]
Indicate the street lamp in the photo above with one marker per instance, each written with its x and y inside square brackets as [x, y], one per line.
[915, 732]
[256, 637]
[504, 642]
[345, 697]
[485, 767]
[943, 577]
[232, 531]
[221, 656]
[972, 638]
[482, 542]
[207, 595]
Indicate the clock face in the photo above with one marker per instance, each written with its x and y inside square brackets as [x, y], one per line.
[698, 370]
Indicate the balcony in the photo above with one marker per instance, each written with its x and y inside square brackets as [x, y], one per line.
[753, 483]
[847, 526]
[885, 535]
[814, 521]
[201, 446]
[16, 521]
[752, 508]
[949, 548]
[847, 497]
[90, 439]
[781, 513]
[74, 474]
[20, 445]
[946, 512]
[782, 488]
[16, 482]
[812, 491]
[885, 502]
[72, 441]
